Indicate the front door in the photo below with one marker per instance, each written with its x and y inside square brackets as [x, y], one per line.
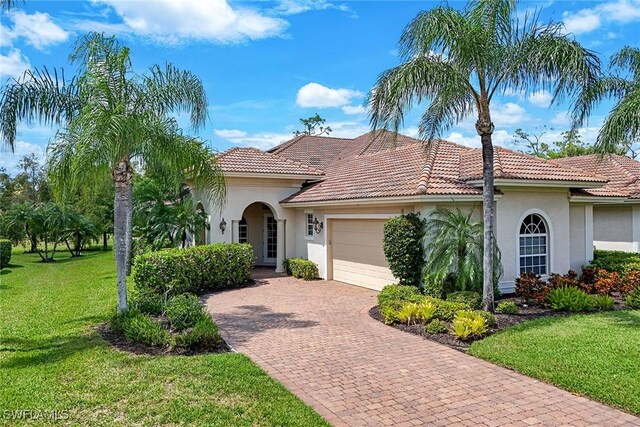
[270, 240]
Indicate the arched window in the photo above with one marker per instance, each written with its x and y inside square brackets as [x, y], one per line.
[534, 245]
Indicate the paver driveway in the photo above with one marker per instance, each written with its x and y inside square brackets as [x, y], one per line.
[318, 340]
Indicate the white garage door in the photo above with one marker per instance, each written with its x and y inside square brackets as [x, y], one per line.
[357, 253]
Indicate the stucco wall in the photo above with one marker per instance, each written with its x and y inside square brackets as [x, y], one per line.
[613, 228]
[512, 207]
[580, 244]
[242, 192]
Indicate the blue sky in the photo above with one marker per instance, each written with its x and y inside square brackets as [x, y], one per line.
[266, 64]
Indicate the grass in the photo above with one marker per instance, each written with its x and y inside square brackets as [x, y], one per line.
[51, 358]
[596, 355]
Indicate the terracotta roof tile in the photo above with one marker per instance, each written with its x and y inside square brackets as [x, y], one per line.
[252, 160]
[622, 172]
[317, 151]
[510, 164]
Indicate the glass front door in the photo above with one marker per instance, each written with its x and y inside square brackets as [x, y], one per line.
[270, 246]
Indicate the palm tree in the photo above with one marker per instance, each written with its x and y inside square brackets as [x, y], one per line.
[454, 248]
[113, 118]
[457, 61]
[622, 127]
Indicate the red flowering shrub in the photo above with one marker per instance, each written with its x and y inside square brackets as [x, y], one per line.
[529, 286]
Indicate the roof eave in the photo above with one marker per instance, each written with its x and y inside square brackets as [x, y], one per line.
[604, 200]
[262, 175]
[506, 182]
[419, 198]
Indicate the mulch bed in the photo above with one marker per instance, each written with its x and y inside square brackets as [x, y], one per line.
[503, 321]
[121, 343]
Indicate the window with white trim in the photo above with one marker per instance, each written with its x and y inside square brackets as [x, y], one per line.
[533, 241]
[243, 231]
[309, 224]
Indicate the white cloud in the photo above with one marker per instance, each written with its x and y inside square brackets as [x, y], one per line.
[467, 141]
[37, 29]
[10, 161]
[230, 133]
[561, 118]
[174, 21]
[541, 98]
[13, 64]
[353, 109]
[612, 12]
[583, 21]
[292, 7]
[319, 96]
[508, 114]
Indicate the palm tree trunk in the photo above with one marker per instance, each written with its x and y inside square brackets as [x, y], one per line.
[122, 174]
[129, 228]
[485, 127]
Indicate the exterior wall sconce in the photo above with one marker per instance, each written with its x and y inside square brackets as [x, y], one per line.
[317, 226]
[223, 225]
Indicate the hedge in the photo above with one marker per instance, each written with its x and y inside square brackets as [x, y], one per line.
[5, 253]
[403, 249]
[194, 270]
[616, 261]
[301, 268]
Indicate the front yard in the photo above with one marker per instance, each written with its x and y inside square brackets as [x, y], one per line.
[53, 359]
[597, 355]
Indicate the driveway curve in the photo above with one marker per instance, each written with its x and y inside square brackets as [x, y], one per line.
[318, 339]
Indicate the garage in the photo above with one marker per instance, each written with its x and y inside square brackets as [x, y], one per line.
[357, 257]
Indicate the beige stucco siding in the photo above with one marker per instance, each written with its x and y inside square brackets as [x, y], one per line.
[512, 207]
[613, 228]
[581, 232]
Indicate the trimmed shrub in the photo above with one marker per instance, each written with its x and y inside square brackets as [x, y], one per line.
[301, 268]
[148, 302]
[529, 286]
[203, 335]
[390, 295]
[194, 270]
[468, 325]
[403, 249]
[490, 318]
[569, 299]
[606, 282]
[446, 310]
[471, 298]
[140, 328]
[184, 311]
[630, 282]
[602, 302]
[286, 267]
[5, 253]
[633, 299]
[507, 307]
[616, 261]
[436, 326]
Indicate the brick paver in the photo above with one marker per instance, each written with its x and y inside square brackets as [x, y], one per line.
[318, 340]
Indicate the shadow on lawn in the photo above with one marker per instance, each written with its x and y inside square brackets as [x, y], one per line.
[251, 320]
[33, 352]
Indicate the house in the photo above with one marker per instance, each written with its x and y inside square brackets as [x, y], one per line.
[616, 205]
[326, 199]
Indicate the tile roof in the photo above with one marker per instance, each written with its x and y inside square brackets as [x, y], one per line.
[508, 164]
[388, 165]
[622, 172]
[252, 160]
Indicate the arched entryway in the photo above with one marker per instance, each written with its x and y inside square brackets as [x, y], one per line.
[260, 227]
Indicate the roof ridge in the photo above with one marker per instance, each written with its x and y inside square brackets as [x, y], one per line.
[285, 144]
[497, 164]
[634, 178]
[428, 167]
[294, 162]
[226, 152]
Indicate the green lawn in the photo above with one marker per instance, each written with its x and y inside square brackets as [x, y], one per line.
[596, 355]
[51, 358]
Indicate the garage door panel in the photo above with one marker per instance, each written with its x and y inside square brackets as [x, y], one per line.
[358, 257]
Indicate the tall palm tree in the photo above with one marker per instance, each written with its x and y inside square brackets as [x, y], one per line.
[458, 61]
[113, 118]
[621, 128]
